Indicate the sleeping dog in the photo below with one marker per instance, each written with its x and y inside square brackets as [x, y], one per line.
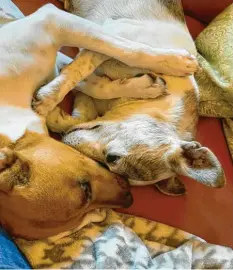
[46, 187]
[147, 140]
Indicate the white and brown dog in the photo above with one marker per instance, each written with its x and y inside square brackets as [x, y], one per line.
[46, 187]
[146, 140]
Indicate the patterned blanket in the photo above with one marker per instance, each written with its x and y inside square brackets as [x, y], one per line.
[109, 240]
[216, 79]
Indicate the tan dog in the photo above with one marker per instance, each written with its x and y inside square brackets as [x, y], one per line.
[146, 140]
[46, 187]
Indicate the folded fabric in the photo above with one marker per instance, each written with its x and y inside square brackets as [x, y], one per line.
[215, 81]
[109, 240]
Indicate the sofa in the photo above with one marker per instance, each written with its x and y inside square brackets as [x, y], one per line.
[204, 212]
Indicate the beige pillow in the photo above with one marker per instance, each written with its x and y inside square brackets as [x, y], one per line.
[215, 56]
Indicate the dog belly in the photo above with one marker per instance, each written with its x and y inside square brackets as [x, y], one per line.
[155, 33]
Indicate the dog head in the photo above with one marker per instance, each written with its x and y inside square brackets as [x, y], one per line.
[146, 150]
[47, 187]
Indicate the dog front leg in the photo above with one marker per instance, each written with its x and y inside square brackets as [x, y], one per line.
[74, 31]
[144, 86]
[54, 92]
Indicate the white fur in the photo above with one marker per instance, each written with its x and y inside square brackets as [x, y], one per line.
[147, 22]
[14, 122]
[145, 140]
[171, 49]
[28, 50]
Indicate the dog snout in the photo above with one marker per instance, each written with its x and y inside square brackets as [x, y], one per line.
[126, 195]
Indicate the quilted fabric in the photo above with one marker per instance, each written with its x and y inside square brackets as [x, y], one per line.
[215, 47]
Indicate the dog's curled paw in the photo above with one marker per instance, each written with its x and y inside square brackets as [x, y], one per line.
[57, 120]
[179, 63]
[44, 106]
[186, 64]
[45, 101]
[157, 87]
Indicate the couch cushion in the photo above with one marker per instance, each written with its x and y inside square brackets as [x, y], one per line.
[194, 26]
[205, 10]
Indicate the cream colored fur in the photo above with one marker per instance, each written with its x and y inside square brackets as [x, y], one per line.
[147, 140]
[30, 65]
[36, 171]
[168, 53]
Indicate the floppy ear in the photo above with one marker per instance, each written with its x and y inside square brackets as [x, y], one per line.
[197, 162]
[7, 158]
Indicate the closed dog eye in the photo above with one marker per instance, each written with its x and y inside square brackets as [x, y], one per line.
[86, 187]
[82, 128]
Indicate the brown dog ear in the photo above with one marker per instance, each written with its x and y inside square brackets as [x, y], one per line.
[197, 162]
[7, 158]
[171, 186]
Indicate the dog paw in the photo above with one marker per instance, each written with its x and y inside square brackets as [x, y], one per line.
[44, 106]
[57, 120]
[60, 122]
[145, 86]
[46, 100]
[160, 84]
[180, 63]
[156, 87]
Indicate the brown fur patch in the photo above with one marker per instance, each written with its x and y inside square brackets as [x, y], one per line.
[145, 163]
